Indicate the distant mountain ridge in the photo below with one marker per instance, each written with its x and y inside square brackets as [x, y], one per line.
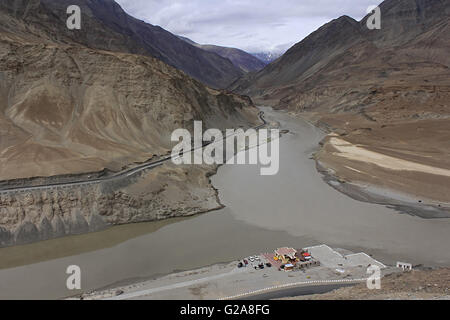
[241, 59]
[109, 27]
[345, 56]
[383, 95]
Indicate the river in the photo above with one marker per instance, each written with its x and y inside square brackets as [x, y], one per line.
[293, 208]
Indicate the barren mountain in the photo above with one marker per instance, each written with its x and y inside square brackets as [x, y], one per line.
[241, 59]
[106, 26]
[67, 108]
[385, 90]
[413, 31]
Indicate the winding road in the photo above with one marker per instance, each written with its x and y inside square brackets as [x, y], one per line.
[119, 175]
[282, 291]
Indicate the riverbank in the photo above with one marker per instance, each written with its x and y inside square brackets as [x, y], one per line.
[229, 281]
[161, 192]
[58, 207]
[401, 165]
[294, 207]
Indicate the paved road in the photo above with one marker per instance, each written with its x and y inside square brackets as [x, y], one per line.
[297, 291]
[119, 175]
[287, 290]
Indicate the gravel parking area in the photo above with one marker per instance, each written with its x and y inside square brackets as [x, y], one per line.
[229, 280]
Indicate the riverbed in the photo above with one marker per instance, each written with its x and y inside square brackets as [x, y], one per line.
[293, 208]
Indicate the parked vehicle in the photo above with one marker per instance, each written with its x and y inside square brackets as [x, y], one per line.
[268, 265]
[289, 267]
[240, 265]
[306, 256]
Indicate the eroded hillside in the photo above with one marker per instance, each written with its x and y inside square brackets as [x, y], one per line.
[69, 109]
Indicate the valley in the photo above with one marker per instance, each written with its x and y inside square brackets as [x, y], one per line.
[384, 90]
[299, 212]
[93, 172]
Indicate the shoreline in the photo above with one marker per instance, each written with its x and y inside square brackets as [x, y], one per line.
[234, 281]
[425, 209]
[138, 276]
[359, 193]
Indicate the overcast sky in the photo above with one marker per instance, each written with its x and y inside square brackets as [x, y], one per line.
[251, 25]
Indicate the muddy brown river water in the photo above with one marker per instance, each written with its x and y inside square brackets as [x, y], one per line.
[293, 208]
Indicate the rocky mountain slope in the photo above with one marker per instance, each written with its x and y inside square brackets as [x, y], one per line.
[385, 90]
[344, 52]
[68, 108]
[241, 59]
[106, 26]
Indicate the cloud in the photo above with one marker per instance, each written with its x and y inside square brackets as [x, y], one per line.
[252, 25]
